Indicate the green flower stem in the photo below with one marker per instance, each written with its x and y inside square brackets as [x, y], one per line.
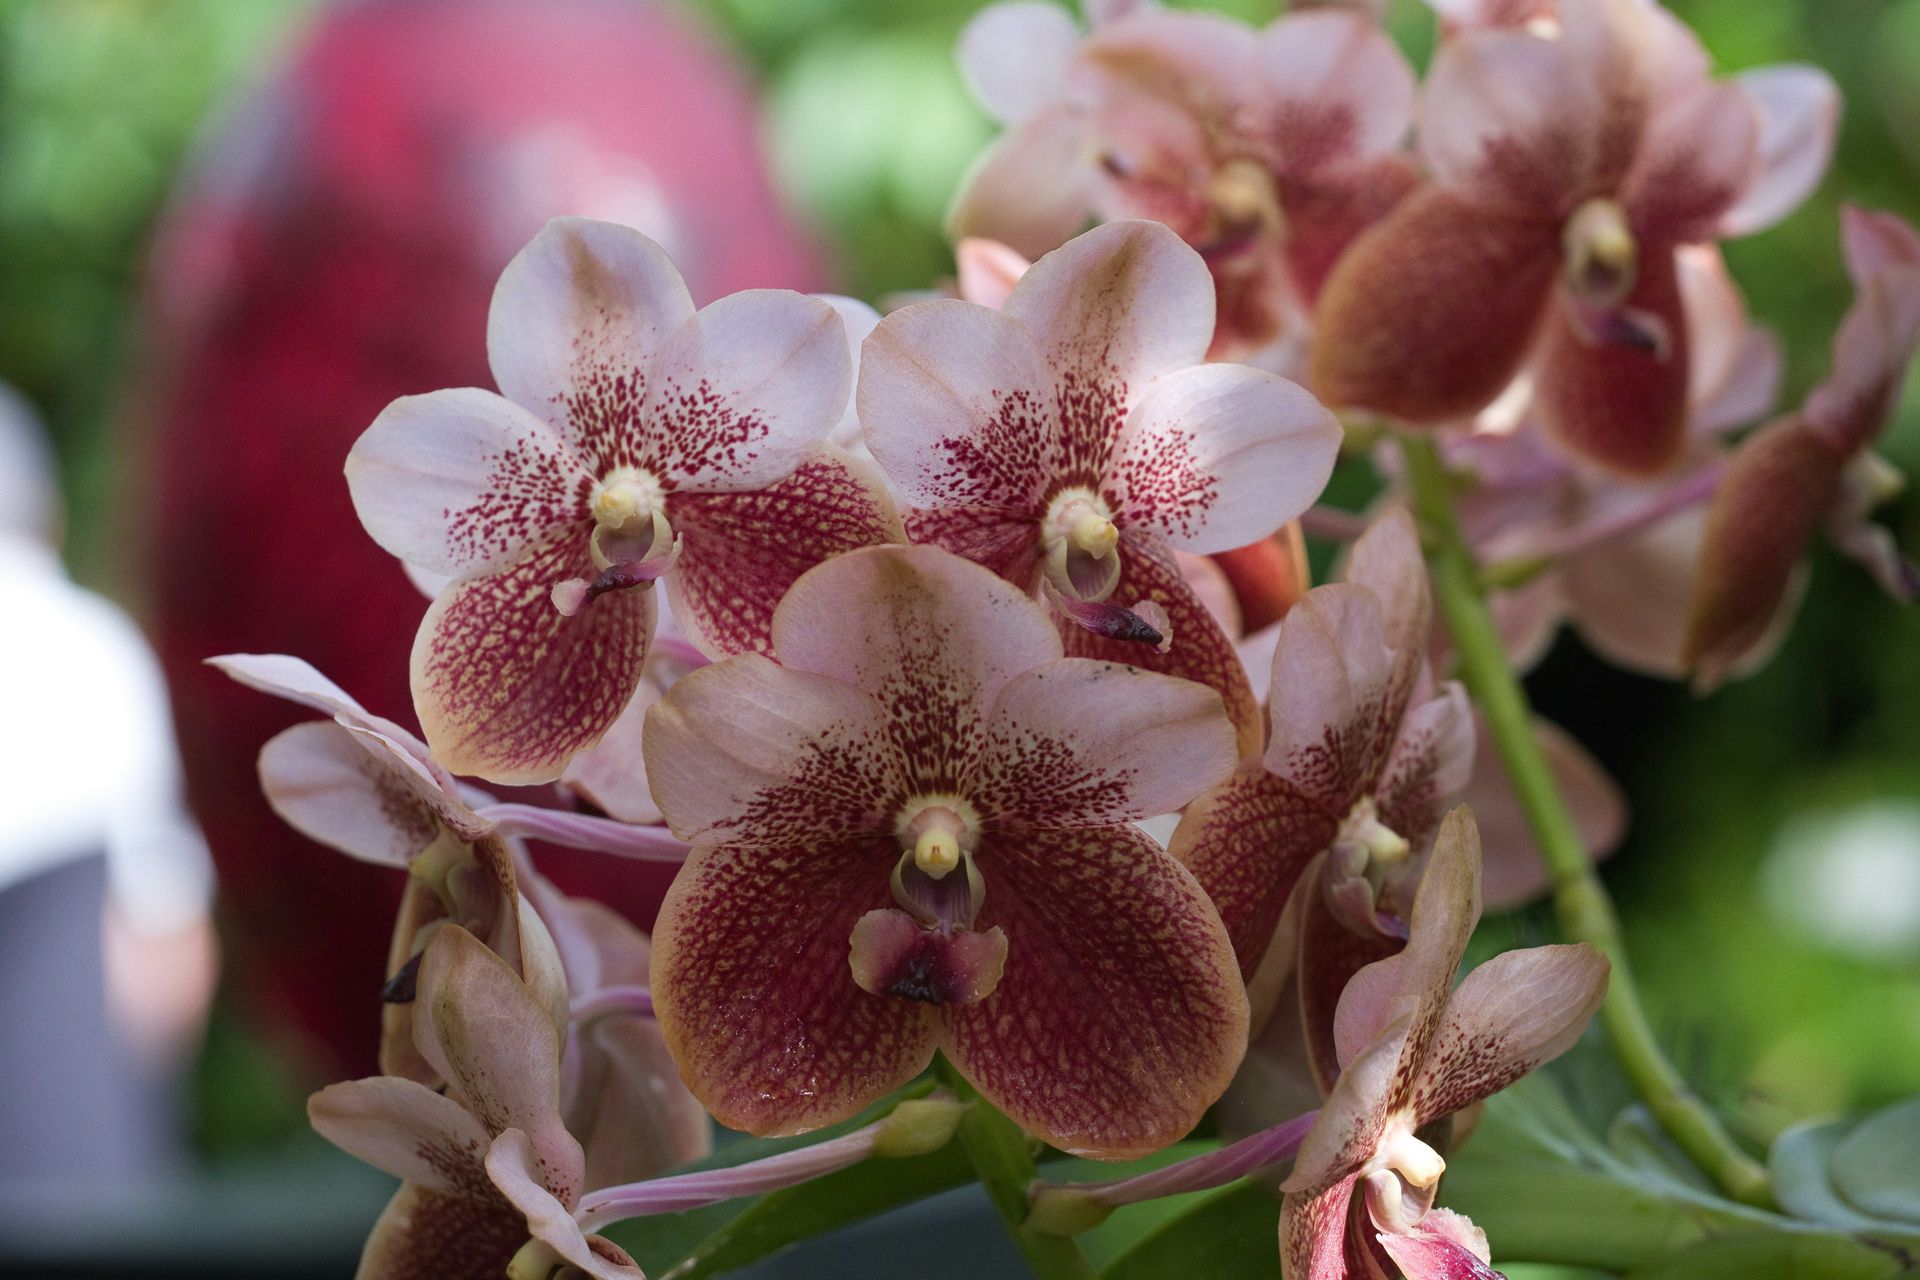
[1585, 911]
[1003, 1160]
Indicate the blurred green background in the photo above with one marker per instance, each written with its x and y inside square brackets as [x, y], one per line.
[1771, 881]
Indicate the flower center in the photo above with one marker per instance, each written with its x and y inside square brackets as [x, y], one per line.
[1400, 1152]
[629, 518]
[1081, 544]
[1244, 203]
[1599, 253]
[1384, 847]
[937, 831]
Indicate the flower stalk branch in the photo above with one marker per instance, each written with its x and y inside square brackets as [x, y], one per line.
[1581, 902]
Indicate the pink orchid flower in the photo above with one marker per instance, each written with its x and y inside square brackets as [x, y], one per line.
[1571, 158]
[1361, 761]
[490, 1174]
[364, 785]
[633, 437]
[1412, 1051]
[1266, 150]
[915, 833]
[1817, 465]
[1616, 556]
[1071, 439]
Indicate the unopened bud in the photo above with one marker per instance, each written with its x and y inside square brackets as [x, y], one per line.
[918, 1126]
[1066, 1211]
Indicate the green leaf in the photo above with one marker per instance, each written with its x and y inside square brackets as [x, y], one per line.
[1799, 1164]
[1777, 1255]
[1232, 1234]
[1876, 1167]
[1539, 1209]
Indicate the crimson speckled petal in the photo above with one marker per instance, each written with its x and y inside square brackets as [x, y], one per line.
[1119, 979]
[509, 688]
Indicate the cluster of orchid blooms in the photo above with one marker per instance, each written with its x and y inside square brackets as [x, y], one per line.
[893, 631]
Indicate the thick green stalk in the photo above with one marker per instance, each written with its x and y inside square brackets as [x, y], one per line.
[1585, 911]
[1004, 1163]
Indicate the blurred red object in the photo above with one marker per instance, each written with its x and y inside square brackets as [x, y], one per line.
[335, 246]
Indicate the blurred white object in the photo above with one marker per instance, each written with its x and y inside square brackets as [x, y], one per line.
[106, 951]
[1849, 880]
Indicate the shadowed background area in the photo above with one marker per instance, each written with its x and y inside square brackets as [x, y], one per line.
[231, 231]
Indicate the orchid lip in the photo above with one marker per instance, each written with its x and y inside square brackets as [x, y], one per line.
[1600, 254]
[1081, 543]
[1401, 1153]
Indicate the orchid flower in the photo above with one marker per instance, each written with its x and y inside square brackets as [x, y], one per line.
[1412, 1051]
[490, 1175]
[1817, 465]
[632, 438]
[1571, 158]
[1071, 439]
[1359, 765]
[1267, 151]
[915, 833]
[1615, 556]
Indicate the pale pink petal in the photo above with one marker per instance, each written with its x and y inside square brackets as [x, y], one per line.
[741, 552]
[1509, 119]
[958, 409]
[406, 1129]
[1080, 743]
[459, 481]
[1331, 693]
[1118, 978]
[1514, 872]
[489, 1037]
[611, 774]
[324, 783]
[576, 319]
[1248, 842]
[1033, 188]
[1717, 325]
[1219, 455]
[1877, 338]
[1003, 541]
[986, 270]
[1515, 1012]
[1428, 768]
[929, 634]
[1337, 88]
[1700, 153]
[515, 1168]
[1441, 1246]
[1337, 966]
[1799, 109]
[506, 686]
[1629, 599]
[1014, 57]
[1387, 561]
[755, 993]
[1868, 481]
[1214, 589]
[751, 751]
[1110, 310]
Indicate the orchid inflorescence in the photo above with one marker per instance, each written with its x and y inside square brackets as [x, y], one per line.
[891, 632]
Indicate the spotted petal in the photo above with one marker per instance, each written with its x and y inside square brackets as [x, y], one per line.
[433, 1235]
[455, 482]
[324, 783]
[755, 994]
[1313, 1232]
[1333, 705]
[1341, 90]
[509, 688]
[1119, 979]
[1217, 456]
[744, 391]
[1513, 1013]
[1080, 743]
[406, 1129]
[1442, 1245]
[577, 317]
[746, 750]
[1247, 842]
[742, 551]
[515, 1167]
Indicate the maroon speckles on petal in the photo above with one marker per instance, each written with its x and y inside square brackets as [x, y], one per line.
[529, 492]
[509, 688]
[606, 409]
[429, 1235]
[702, 428]
[1167, 483]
